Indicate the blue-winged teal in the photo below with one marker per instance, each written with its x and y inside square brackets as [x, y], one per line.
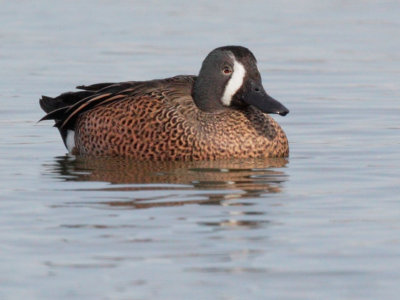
[220, 114]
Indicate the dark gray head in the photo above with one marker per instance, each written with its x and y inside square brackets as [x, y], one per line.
[229, 78]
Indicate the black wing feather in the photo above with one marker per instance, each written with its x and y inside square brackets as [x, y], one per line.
[65, 108]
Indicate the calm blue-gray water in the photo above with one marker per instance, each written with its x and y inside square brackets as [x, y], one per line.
[323, 224]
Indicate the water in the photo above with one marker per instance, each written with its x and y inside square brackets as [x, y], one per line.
[323, 224]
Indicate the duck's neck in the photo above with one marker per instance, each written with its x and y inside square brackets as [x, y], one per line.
[206, 96]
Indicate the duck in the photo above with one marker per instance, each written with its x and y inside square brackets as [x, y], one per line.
[222, 113]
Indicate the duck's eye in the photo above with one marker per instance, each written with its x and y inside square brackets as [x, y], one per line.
[227, 70]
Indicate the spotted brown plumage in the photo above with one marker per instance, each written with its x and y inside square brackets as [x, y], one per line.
[178, 118]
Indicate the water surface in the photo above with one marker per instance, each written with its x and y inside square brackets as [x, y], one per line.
[322, 224]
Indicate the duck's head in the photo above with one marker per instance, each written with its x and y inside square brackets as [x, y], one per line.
[229, 77]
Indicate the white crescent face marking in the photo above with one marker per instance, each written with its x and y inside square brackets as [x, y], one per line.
[234, 83]
[70, 140]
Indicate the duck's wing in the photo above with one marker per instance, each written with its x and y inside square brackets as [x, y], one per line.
[63, 106]
[67, 107]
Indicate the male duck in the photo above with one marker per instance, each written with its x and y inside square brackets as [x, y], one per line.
[220, 114]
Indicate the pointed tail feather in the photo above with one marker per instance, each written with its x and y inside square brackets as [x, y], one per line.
[49, 104]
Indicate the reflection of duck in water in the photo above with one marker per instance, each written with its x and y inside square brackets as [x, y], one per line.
[233, 179]
[220, 114]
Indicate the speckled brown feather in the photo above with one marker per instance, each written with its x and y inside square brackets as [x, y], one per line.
[161, 122]
[158, 120]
